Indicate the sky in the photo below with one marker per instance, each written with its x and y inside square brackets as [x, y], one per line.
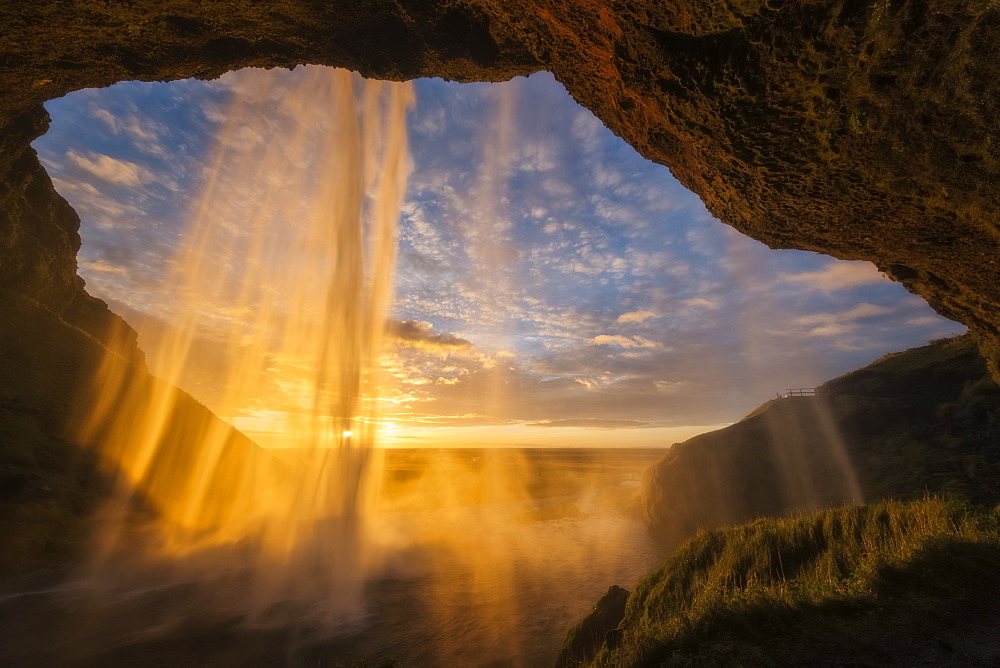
[553, 287]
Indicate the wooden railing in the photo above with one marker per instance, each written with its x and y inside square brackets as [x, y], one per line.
[801, 392]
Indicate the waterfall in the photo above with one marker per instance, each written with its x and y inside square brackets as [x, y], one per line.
[285, 274]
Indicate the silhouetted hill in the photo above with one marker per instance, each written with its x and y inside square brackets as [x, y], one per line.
[923, 420]
[54, 474]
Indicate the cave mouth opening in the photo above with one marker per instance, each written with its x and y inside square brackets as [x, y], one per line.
[536, 239]
[538, 302]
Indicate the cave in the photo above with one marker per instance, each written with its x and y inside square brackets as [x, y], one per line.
[861, 130]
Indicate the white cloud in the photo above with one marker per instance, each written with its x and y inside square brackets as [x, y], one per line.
[701, 302]
[837, 275]
[670, 386]
[537, 157]
[836, 324]
[623, 341]
[635, 316]
[109, 119]
[145, 132]
[859, 311]
[605, 176]
[587, 130]
[106, 168]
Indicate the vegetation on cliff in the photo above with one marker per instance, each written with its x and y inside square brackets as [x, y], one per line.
[885, 584]
[911, 577]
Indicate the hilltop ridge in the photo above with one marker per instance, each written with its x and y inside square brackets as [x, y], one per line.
[922, 420]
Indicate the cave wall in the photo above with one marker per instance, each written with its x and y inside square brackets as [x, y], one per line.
[867, 130]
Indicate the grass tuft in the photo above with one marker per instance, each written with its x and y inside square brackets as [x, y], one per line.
[855, 584]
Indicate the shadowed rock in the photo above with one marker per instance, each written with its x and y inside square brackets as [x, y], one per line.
[926, 420]
[597, 628]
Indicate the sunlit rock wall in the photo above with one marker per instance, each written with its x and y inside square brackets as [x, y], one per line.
[865, 130]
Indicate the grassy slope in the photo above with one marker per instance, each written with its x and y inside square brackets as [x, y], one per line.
[923, 419]
[878, 584]
[893, 582]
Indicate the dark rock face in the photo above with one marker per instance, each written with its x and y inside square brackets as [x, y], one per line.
[922, 421]
[862, 130]
[779, 461]
[595, 630]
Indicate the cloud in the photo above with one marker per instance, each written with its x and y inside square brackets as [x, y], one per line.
[701, 302]
[635, 316]
[623, 341]
[106, 168]
[109, 119]
[589, 423]
[837, 275]
[927, 320]
[418, 334]
[835, 324]
[537, 273]
[859, 311]
[537, 157]
[101, 266]
[670, 386]
[587, 130]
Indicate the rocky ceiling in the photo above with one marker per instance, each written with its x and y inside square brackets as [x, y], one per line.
[864, 129]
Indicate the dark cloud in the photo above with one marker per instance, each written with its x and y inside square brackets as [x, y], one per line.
[421, 335]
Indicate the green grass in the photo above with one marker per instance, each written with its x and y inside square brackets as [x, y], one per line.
[860, 584]
[873, 584]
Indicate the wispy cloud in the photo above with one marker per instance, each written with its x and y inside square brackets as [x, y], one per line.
[590, 423]
[540, 293]
[635, 316]
[837, 275]
[101, 266]
[623, 341]
[421, 335]
[702, 302]
[837, 324]
[112, 170]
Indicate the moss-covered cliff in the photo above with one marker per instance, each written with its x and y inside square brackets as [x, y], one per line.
[908, 579]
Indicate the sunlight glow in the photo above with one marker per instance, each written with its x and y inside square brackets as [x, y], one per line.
[288, 263]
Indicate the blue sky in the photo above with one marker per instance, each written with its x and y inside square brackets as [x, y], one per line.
[548, 276]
